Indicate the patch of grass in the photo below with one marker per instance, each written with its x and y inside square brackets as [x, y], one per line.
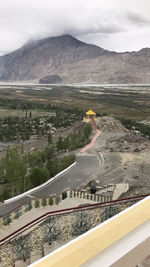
[129, 101]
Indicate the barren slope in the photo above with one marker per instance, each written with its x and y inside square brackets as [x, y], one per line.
[74, 62]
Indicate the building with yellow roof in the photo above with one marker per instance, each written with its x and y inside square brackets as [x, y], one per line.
[90, 115]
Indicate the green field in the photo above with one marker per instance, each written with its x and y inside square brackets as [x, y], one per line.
[119, 101]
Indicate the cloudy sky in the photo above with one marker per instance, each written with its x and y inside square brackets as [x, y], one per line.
[120, 25]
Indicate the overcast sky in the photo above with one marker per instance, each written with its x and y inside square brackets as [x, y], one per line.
[120, 25]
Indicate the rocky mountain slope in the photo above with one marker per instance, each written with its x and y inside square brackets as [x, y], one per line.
[68, 60]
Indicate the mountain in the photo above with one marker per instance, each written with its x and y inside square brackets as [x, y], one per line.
[65, 59]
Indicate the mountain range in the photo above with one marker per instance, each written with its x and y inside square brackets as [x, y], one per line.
[64, 59]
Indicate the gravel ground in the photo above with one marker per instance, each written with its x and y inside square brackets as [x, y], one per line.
[126, 156]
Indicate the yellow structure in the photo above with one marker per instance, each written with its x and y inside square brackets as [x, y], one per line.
[89, 115]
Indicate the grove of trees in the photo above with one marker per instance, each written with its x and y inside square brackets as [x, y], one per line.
[132, 124]
[75, 140]
[22, 172]
[22, 128]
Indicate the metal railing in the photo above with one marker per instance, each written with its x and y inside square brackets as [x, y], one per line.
[15, 213]
[58, 226]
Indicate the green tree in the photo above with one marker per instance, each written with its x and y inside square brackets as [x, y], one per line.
[15, 167]
[5, 194]
[39, 176]
[60, 145]
[2, 171]
[22, 148]
[66, 143]
[34, 159]
[49, 136]
[87, 130]
[50, 151]
[53, 166]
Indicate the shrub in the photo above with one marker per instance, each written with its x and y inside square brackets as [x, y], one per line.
[5, 194]
[64, 195]
[37, 203]
[29, 206]
[16, 215]
[7, 220]
[50, 201]
[44, 202]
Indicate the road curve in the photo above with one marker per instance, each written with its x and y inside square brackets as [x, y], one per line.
[87, 164]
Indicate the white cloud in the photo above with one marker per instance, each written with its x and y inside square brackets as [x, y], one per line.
[107, 23]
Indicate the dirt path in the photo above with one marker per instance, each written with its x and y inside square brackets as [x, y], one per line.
[84, 149]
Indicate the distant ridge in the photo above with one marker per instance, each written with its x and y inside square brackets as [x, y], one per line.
[65, 59]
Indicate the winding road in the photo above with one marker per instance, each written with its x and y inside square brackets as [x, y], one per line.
[86, 165]
[81, 173]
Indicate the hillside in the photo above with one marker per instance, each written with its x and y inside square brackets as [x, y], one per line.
[65, 59]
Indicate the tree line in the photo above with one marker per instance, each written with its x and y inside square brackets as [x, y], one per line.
[25, 171]
[75, 140]
[24, 105]
[22, 172]
[132, 124]
[22, 128]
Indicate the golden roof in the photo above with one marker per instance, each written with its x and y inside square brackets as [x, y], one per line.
[90, 112]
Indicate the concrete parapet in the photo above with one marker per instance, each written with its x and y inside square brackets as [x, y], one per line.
[55, 199]
[47, 201]
[23, 209]
[40, 203]
[12, 216]
[1, 221]
[33, 203]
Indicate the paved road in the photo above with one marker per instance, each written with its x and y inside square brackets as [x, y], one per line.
[79, 174]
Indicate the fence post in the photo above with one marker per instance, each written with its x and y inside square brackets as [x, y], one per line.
[100, 198]
[54, 201]
[1, 221]
[12, 216]
[47, 201]
[40, 203]
[23, 209]
[33, 203]
[103, 199]
[68, 193]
